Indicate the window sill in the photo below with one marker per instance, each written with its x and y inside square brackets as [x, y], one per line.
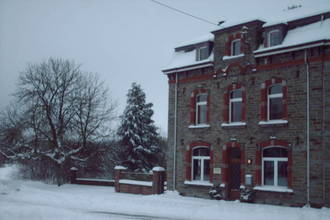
[273, 189]
[198, 183]
[232, 57]
[233, 124]
[274, 122]
[199, 126]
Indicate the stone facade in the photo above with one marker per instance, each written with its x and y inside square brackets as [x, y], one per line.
[252, 74]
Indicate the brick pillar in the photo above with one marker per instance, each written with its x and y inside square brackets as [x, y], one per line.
[73, 176]
[158, 179]
[118, 171]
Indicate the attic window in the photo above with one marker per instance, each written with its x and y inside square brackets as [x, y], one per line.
[274, 38]
[202, 53]
[236, 47]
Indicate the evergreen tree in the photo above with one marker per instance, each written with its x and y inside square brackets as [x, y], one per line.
[137, 132]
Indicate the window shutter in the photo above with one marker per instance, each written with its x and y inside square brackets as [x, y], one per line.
[225, 112]
[285, 102]
[243, 104]
[263, 104]
[193, 108]
[188, 164]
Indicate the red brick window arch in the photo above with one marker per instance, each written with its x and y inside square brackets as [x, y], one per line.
[234, 109]
[275, 161]
[199, 107]
[273, 106]
[199, 162]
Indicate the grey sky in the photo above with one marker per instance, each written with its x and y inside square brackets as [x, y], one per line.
[122, 40]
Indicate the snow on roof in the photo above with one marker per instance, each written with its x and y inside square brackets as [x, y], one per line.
[201, 39]
[183, 59]
[305, 34]
[236, 22]
[291, 15]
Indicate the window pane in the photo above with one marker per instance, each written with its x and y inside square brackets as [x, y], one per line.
[206, 170]
[276, 89]
[236, 111]
[269, 173]
[201, 152]
[282, 173]
[201, 114]
[275, 108]
[236, 47]
[236, 94]
[202, 98]
[274, 38]
[197, 169]
[275, 152]
[203, 53]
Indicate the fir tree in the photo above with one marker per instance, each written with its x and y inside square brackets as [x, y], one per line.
[137, 132]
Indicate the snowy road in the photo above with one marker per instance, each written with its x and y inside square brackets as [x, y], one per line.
[28, 200]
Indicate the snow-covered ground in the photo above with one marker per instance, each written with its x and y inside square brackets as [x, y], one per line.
[20, 199]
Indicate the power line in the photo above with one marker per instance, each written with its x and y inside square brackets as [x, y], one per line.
[183, 12]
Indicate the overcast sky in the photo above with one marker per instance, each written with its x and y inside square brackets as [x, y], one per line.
[124, 41]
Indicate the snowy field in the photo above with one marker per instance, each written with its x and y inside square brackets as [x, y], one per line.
[35, 200]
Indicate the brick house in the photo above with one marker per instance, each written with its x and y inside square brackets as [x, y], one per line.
[249, 107]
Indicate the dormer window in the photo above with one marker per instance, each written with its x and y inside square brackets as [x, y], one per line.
[202, 53]
[274, 38]
[236, 47]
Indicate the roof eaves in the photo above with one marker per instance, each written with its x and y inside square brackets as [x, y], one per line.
[188, 67]
[273, 51]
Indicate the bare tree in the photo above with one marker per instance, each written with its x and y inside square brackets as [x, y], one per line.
[63, 110]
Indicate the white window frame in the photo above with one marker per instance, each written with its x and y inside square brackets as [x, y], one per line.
[275, 160]
[271, 96]
[231, 100]
[269, 36]
[200, 103]
[202, 159]
[198, 53]
[232, 47]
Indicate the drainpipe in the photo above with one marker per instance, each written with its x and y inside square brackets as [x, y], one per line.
[307, 127]
[323, 118]
[175, 130]
[323, 127]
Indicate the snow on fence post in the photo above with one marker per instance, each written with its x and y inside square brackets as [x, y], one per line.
[158, 179]
[73, 171]
[118, 171]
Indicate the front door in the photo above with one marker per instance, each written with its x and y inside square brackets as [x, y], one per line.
[234, 173]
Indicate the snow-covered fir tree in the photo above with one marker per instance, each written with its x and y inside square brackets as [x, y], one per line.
[137, 132]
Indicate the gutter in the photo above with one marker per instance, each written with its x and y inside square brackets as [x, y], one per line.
[278, 50]
[188, 67]
[307, 127]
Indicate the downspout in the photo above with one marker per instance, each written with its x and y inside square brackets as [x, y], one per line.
[175, 130]
[323, 118]
[307, 127]
[323, 126]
